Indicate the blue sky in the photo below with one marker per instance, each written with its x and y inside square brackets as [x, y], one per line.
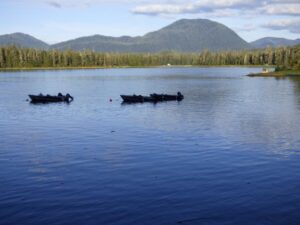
[59, 20]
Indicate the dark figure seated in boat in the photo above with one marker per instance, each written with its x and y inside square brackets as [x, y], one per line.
[51, 98]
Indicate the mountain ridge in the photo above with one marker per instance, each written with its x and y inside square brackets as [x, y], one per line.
[274, 42]
[22, 40]
[185, 35]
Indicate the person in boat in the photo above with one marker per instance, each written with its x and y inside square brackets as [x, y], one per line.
[68, 96]
[179, 94]
[59, 94]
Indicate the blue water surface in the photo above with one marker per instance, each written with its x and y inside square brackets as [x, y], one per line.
[227, 154]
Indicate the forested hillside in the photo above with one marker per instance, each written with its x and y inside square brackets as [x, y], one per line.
[15, 57]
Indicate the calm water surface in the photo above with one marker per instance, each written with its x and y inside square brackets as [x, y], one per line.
[227, 154]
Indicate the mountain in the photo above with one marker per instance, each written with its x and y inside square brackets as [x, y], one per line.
[274, 42]
[23, 40]
[184, 35]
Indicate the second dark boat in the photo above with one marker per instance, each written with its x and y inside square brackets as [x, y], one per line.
[152, 98]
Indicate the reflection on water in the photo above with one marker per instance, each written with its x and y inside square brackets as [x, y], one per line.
[296, 84]
[227, 154]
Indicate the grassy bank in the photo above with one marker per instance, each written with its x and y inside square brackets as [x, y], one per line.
[281, 73]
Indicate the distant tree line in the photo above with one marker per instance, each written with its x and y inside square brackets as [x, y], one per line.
[16, 57]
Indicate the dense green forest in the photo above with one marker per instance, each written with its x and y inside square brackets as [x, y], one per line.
[15, 57]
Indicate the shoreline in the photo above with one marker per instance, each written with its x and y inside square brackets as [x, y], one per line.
[120, 67]
[284, 73]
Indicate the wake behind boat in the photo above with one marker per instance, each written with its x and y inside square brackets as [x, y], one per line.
[51, 98]
[152, 98]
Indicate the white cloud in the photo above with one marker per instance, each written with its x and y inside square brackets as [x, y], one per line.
[79, 3]
[220, 13]
[292, 25]
[156, 9]
[270, 7]
[192, 7]
[282, 9]
[247, 28]
[54, 4]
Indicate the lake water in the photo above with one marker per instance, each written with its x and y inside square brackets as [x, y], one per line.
[227, 154]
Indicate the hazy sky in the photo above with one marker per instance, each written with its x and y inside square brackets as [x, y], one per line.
[59, 20]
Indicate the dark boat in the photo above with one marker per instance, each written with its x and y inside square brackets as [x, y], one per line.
[165, 97]
[132, 98]
[152, 98]
[149, 99]
[51, 98]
